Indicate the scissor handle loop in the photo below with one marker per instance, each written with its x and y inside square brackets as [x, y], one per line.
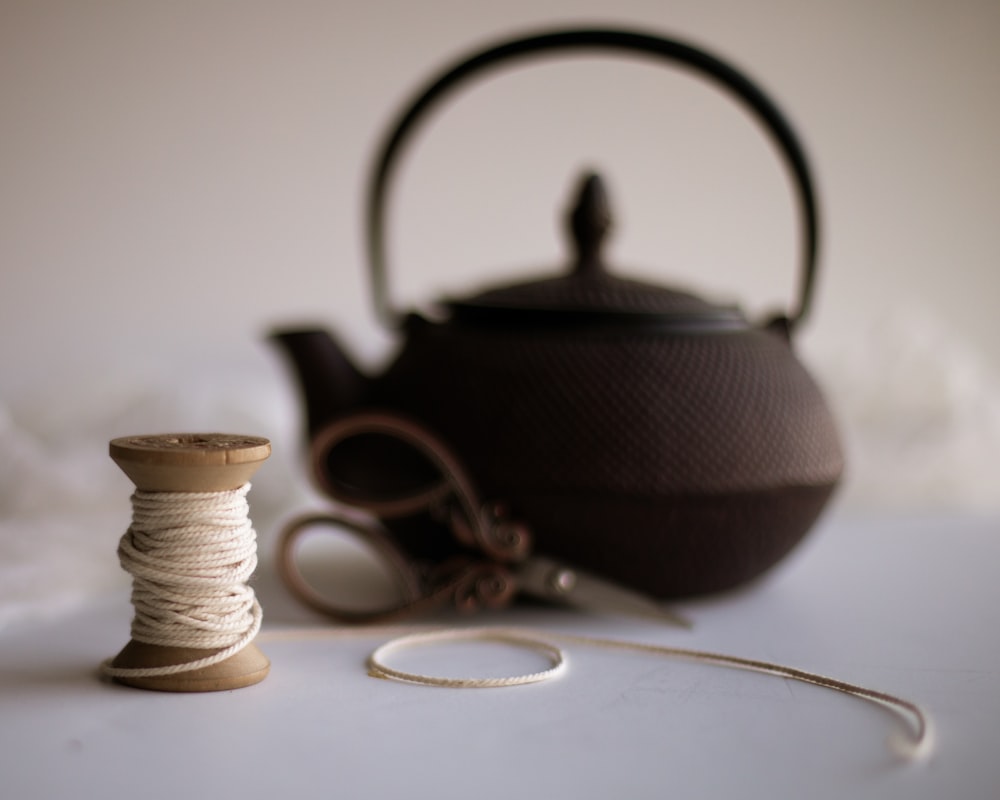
[467, 584]
[476, 525]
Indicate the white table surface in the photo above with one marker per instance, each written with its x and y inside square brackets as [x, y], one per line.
[907, 606]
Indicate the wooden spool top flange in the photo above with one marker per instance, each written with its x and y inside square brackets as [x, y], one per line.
[189, 462]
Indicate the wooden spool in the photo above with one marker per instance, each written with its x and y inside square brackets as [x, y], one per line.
[188, 462]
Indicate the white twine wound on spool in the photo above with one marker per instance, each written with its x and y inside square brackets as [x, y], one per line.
[190, 555]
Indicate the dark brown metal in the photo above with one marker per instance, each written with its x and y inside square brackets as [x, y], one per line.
[441, 544]
[643, 433]
[590, 221]
[623, 42]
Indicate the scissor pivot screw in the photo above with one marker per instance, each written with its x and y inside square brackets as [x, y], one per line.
[562, 580]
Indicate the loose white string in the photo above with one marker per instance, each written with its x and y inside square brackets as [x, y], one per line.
[917, 744]
[190, 555]
[378, 668]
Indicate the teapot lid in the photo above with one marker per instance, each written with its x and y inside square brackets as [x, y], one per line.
[589, 294]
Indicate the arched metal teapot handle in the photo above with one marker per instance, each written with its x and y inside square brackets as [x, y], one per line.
[627, 41]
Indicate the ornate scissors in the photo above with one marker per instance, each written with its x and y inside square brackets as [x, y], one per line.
[440, 541]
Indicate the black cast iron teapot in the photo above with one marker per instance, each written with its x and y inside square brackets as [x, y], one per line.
[639, 432]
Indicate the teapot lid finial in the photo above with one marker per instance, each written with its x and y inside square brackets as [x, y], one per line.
[590, 221]
[590, 293]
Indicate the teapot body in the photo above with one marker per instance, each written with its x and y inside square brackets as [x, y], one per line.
[676, 463]
[641, 432]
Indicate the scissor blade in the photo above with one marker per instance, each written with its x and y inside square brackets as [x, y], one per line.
[550, 580]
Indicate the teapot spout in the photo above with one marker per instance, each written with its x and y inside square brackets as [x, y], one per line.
[328, 382]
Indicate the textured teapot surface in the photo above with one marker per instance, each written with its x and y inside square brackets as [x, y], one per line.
[617, 418]
[639, 431]
[590, 437]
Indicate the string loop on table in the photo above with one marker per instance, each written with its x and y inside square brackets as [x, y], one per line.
[379, 669]
[917, 743]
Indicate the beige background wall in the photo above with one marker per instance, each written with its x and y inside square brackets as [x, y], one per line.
[176, 177]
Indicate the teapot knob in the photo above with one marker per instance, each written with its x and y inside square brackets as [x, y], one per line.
[590, 221]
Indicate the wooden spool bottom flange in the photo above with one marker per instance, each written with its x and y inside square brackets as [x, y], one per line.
[245, 668]
[190, 463]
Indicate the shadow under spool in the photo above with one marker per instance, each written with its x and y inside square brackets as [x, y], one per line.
[188, 462]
